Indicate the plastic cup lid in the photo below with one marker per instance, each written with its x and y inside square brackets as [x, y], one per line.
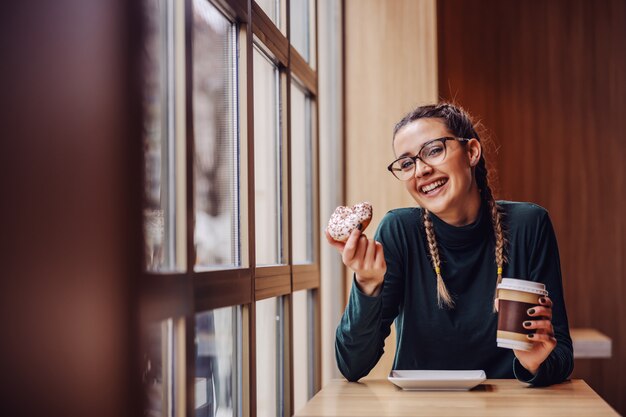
[523, 285]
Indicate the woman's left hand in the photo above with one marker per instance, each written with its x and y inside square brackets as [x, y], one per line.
[543, 339]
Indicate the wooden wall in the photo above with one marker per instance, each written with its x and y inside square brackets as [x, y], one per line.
[548, 80]
[71, 209]
[390, 67]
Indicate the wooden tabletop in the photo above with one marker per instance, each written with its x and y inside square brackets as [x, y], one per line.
[494, 397]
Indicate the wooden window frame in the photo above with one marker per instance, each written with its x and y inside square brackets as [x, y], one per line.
[181, 295]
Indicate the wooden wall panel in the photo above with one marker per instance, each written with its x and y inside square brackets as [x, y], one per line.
[390, 67]
[548, 79]
[70, 180]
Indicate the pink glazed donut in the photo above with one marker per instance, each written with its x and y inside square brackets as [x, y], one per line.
[345, 219]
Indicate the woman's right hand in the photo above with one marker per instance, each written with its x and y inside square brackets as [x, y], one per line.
[365, 257]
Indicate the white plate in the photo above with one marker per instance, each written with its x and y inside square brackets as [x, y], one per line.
[437, 380]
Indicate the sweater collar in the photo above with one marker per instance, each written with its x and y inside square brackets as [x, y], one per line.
[459, 236]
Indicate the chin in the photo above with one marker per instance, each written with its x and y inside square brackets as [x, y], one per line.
[434, 205]
[436, 209]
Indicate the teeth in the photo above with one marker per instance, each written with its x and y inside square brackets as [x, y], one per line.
[432, 186]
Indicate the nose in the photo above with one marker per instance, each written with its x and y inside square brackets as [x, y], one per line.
[421, 168]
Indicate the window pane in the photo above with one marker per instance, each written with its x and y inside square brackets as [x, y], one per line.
[300, 18]
[303, 348]
[312, 34]
[301, 176]
[217, 388]
[269, 357]
[216, 203]
[159, 139]
[267, 185]
[158, 370]
[271, 9]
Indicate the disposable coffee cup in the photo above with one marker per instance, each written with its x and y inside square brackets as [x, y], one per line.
[516, 296]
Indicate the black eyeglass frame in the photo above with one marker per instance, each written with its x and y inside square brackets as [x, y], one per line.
[443, 140]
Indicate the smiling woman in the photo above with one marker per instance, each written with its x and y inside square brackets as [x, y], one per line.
[445, 185]
[443, 260]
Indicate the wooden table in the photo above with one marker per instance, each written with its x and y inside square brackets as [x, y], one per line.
[494, 397]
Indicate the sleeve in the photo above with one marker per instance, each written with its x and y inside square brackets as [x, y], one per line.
[545, 266]
[366, 321]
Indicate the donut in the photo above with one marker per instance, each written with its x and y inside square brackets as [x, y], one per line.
[345, 219]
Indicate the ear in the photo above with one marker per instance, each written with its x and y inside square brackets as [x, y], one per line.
[474, 151]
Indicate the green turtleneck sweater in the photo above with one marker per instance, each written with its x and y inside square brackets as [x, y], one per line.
[428, 337]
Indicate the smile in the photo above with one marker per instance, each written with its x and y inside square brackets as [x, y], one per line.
[427, 189]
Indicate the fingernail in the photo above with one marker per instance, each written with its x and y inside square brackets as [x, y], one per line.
[531, 311]
[360, 226]
[527, 323]
[530, 336]
[542, 300]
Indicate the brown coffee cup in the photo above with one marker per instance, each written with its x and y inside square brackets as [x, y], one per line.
[516, 296]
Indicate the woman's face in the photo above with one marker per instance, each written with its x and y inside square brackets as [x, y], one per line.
[447, 189]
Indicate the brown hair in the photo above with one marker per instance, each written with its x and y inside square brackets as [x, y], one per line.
[461, 125]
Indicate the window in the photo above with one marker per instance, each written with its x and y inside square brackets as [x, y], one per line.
[301, 175]
[267, 167]
[269, 357]
[164, 220]
[303, 347]
[218, 351]
[302, 24]
[158, 366]
[230, 214]
[272, 9]
[216, 176]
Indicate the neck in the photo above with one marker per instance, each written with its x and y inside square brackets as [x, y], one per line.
[465, 213]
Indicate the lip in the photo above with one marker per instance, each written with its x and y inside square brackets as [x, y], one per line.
[437, 191]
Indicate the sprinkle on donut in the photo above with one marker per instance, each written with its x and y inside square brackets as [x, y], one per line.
[345, 219]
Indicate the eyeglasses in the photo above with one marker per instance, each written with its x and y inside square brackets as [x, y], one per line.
[431, 153]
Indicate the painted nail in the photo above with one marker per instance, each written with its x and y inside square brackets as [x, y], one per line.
[527, 324]
[542, 300]
[531, 311]
[360, 226]
[530, 336]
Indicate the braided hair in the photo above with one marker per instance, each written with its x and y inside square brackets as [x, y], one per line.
[461, 125]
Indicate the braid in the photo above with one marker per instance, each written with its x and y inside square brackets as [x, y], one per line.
[496, 218]
[444, 299]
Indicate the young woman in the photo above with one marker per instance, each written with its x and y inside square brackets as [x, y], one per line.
[434, 268]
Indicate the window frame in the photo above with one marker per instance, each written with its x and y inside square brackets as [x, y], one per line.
[181, 295]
